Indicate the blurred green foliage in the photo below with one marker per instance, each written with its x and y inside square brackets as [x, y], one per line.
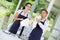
[9, 0]
[11, 6]
[41, 4]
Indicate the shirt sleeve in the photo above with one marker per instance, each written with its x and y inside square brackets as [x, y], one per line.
[18, 11]
[45, 25]
[34, 23]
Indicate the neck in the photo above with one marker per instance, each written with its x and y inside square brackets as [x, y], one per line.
[42, 18]
[25, 10]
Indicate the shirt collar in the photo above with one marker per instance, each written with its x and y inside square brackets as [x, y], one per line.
[43, 20]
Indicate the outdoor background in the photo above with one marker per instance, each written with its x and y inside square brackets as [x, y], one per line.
[8, 7]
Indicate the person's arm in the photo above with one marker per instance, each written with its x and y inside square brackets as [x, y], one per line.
[45, 25]
[16, 17]
[34, 23]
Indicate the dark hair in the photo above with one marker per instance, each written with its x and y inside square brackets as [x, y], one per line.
[44, 10]
[27, 4]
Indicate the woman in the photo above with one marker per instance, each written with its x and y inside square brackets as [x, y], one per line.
[18, 17]
[39, 26]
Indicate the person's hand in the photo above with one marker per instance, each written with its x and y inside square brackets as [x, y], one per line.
[37, 20]
[21, 18]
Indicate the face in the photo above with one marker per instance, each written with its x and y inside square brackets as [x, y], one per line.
[43, 14]
[27, 7]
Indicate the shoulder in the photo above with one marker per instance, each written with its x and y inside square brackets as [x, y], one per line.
[47, 21]
[19, 11]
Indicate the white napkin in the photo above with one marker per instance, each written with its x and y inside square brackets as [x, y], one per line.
[25, 23]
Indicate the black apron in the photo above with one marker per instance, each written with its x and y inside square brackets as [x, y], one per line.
[36, 33]
[15, 26]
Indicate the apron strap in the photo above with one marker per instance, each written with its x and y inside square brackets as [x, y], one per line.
[21, 12]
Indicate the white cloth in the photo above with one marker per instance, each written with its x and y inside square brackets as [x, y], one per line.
[25, 23]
